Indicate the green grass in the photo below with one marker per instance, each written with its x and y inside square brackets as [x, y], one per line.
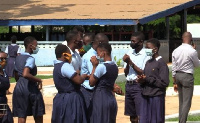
[12, 80]
[196, 77]
[190, 118]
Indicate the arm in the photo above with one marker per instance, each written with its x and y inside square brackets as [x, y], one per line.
[194, 58]
[136, 69]
[30, 77]
[162, 81]
[93, 80]
[126, 69]
[78, 79]
[16, 75]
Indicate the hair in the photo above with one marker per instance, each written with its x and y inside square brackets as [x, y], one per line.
[100, 37]
[90, 36]
[13, 39]
[79, 29]
[71, 35]
[28, 40]
[105, 46]
[155, 42]
[60, 49]
[140, 35]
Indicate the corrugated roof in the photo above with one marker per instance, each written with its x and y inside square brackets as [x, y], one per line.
[132, 10]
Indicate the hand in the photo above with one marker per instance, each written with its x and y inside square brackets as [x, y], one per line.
[94, 61]
[141, 78]
[176, 88]
[40, 85]
[118, 90]
[126, 58]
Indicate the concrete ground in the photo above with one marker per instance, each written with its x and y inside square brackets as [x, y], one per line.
[171, 102]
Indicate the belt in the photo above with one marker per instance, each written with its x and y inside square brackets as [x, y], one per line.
[183, 72]
[131, 82]
[87, 89]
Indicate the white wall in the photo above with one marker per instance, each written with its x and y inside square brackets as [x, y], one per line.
[194, 28]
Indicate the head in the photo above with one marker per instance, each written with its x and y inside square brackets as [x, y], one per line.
[73, 38]
[3, 59]
[187, 37]
[152, 46]
[103, 50]
[137, 40]
[62, 53]
[98, 39]
[30, 44]
[88, 39]
[13, 39]
[80, 30]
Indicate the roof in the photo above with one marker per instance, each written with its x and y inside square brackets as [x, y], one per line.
[88, 12]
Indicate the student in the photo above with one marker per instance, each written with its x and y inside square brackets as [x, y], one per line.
[88, 39]
[27, 98]
[86, 68]
[68, 104]
[135, 61]
[154, 82]
[103, 76]
[5, 112]
[13, 50]
[74, 41]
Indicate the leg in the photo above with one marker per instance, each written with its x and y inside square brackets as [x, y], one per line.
[21, 119]
[180, 95]
[134, 119]
[187, 90]
[129, 103]
[38, 119]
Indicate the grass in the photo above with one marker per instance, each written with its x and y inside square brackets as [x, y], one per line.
[39, 76]
[190, 118]
[196, 79]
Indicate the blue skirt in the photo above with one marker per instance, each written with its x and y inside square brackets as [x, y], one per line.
[27, 99]
[8, 118]
[153, 109]
[103, 107]
[69, 108]
[10, 67]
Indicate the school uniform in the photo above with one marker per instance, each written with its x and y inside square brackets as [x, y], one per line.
[5, 85]
[86, 68]
[12, 51]
[154, 89]
[27, 98]
[104, 105]
[76, 60]
[68, 104]
[133, 95]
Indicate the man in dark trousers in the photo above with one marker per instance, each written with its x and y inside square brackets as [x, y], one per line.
[135, 61]
[184, 60]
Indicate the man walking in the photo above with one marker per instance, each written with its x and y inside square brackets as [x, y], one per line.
[184, 59]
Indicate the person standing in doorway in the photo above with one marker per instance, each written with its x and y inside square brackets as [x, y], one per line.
[12, 50]
[135, 61]
[184, 60]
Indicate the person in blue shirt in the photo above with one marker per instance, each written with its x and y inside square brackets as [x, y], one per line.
[103, 76]
[5, 112]
[27, 98]
[135, 61]
[86, 68]
[68, 104]
[154, 81]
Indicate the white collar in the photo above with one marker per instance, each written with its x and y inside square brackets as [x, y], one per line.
[159, 57]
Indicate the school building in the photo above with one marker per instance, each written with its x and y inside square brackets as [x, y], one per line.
[50, 20]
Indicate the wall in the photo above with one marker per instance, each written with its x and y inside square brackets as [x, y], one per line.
[46, 53]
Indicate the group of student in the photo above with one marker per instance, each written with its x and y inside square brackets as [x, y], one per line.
[86, 85]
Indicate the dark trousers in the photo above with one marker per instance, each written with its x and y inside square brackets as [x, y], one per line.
[185, 84]
[133, 98]
[87, 94]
